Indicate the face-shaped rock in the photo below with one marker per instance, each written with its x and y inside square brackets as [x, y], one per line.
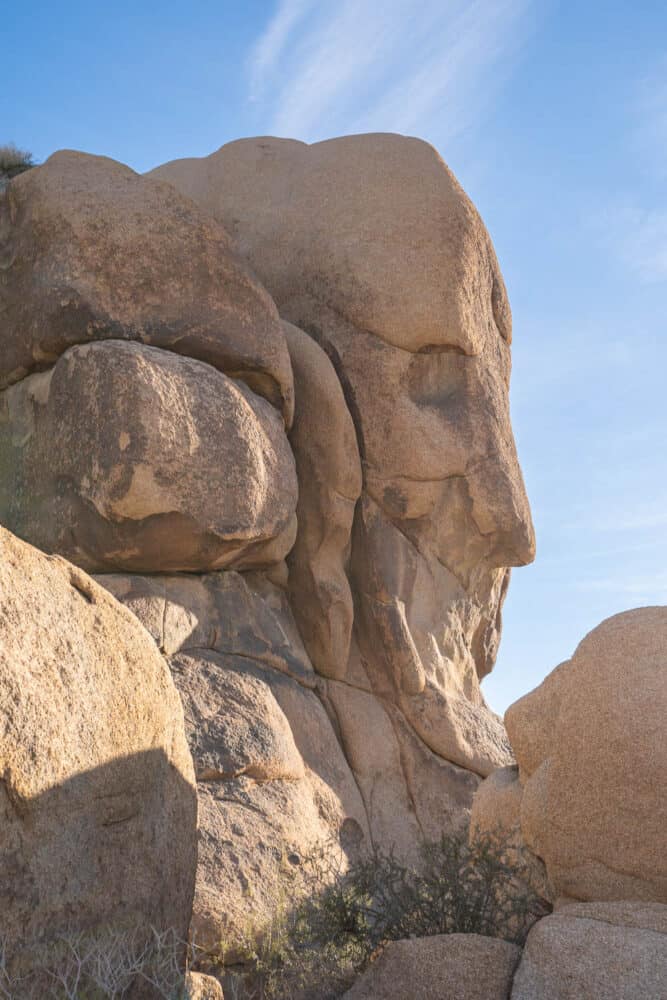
[369, 244]
[127, 456]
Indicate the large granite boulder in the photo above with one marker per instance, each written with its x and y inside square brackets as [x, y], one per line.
[606, 951]
[446, 967]
[590, 745]
[375, 225]
[90, 251]
[128, 457]
[98, 808]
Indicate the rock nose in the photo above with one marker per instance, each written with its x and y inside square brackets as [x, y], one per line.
[501, 510]
[515, 547]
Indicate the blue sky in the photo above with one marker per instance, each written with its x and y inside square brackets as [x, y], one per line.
[554, 118]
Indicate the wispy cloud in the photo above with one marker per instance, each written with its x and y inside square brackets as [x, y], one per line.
[368, 65]
[631, 225]
[645, 517]
[648, 589]
[639, 235]
[650, 107]
[269, 48]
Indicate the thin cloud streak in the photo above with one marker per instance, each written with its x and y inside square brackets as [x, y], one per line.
[363, 65]
[651, 113]
[641, 238]
[631, 225]
[271, 45]
[648, 588]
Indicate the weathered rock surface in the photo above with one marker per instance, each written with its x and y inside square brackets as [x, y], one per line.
[329, 472]
[92, 251]
[97, 797]
[370, 245]
[376, 225]
[273, 782]
[240, 614]
[332, 688]
[497, 804]
[591, 749]
[410, 793]
[128, 457]
[496, 812]
[610, 951]
[446, 967]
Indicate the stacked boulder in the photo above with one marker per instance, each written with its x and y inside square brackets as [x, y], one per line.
[263, 397]
[587, 801]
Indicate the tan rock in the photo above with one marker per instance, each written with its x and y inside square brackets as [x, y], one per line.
[590, 745]
[275, 802]
[446, 967]
[241, 614]
[115, 459]
[370, 245]
[329, 471]
[374, 224]
[497, 804]
[274, 784]
[373, 752]
[429, 672]
[92, 251]
[97, 798]
[235, 726]
[441, 792]
[410, 793]
[202, 987]
[496, 813]
[615, 951]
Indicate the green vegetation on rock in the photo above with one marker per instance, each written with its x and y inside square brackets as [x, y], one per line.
[13, 161]
[316, 952]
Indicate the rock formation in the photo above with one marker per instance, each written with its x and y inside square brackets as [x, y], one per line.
[175, 364]
[114, 459]
[591, 751]
[613, 950]
[91, 252]
[97, 794]
[451, 966]
[369, 245]
[263, 397]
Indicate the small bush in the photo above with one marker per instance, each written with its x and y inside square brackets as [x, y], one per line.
[458, 887]
[14, 161]
[106, 965]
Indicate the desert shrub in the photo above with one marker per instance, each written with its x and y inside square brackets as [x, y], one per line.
[105, 965]
[456, 887]
[14, 161]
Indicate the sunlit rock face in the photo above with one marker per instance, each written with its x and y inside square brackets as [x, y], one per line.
[98, 805]
[114, 459]
[587, 763]
[89, 251]
[264, 396]
[369, 244]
